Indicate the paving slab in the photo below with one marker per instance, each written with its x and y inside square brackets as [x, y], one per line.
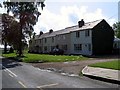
[102, 73]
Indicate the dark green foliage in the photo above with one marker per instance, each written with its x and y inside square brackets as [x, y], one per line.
[27, 13]
[6, 24]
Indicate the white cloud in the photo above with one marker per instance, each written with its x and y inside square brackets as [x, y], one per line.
[67, 16]
[57, 21]
[2, 10]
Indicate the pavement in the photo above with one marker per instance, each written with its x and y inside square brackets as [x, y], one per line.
[109, 75]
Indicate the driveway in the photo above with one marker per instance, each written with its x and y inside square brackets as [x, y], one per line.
[73, 67]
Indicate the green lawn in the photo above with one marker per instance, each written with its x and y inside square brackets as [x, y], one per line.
[110, 65]
[45, 58]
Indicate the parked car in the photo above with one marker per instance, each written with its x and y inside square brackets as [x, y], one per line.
[57, 51]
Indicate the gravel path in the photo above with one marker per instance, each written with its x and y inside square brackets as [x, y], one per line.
[73, 67]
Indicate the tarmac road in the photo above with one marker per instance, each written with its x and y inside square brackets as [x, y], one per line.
[23, 75]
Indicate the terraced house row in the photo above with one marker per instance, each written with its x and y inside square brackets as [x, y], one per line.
[91, 38]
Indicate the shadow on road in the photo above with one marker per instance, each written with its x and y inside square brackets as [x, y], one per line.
[9, 63]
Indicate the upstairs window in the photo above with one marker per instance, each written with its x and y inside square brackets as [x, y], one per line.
[45, 40]
[52, 39]
[64, 37]
[40, 40]
[87, 33]
[77, 34]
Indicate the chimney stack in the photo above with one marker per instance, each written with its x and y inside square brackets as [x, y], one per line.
[81, 23]
[41, 32]
[50, 31]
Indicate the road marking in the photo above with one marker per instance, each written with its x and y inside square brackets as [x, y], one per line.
[9, 71]
[22, 84]
[42, 86]
[5, 70]
[11, 75]
[38, 68]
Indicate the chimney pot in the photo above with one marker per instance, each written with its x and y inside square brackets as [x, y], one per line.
[81, 23]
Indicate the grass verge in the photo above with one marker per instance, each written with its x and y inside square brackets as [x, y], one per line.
[45, 58]
[109, 65]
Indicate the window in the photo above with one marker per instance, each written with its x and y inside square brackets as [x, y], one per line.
[45, 40]
[58, 37]
[52, 47]
[87, 33]
[64, 47]
[89, 47]
[52, 39]
[77, 34]
[77, 47]
[40, 41]
[45, 48]
[63, 36]
[40, 48]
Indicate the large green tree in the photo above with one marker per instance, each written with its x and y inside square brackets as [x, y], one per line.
[116, 27]
[6, 23]
[10, 32]
[27, 13]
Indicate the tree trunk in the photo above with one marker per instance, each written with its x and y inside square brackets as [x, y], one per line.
[20, 40]
[5, 47]
[20, 44]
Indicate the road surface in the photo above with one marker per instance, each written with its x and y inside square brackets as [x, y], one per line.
[23, 75]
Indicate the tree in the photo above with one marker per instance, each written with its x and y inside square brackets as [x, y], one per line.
[6, 21]
[0, 5]
[116, 27]
[27, 13]
[10, 32]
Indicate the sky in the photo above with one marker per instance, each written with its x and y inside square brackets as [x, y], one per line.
[59, 14]
[119, 11]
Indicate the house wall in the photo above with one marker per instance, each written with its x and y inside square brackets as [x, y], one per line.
[102, 38]
[31, 45]
[62, 40]
[48, 44]
[99, 41]
[35, 44]
[40, 44]
[81, 40]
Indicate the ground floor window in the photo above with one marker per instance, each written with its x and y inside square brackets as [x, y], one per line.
[77, 47]
[40, 48]
[45, 48]
[89, 47]
[64, 47]
[52, 47]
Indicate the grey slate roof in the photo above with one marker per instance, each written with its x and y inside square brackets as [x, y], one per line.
[88, 25]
